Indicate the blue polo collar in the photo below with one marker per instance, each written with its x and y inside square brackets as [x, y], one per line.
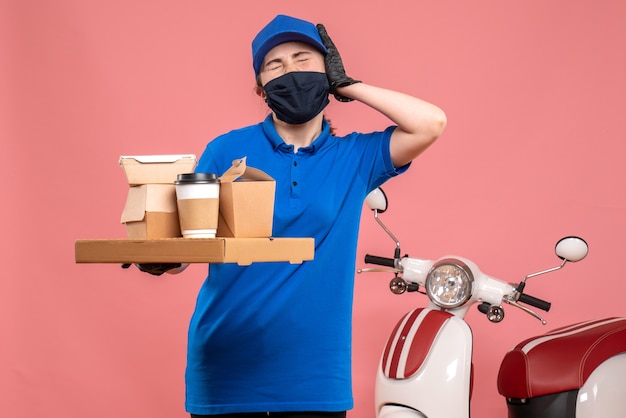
[279, 145]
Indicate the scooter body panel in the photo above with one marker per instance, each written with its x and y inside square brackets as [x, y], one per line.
[427, 370]
[604, 392]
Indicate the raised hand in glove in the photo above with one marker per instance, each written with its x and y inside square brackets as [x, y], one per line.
[335, 71]
[155, 269]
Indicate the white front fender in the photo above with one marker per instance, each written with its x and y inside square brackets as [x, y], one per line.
[440, 386]
[393, 411]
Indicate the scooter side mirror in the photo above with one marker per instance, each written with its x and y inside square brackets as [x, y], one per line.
[567, 249]
[377, 200]
[571, 249]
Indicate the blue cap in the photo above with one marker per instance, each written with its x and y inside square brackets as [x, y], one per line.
[280, 30]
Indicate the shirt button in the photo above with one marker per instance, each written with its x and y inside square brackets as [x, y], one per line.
[295, 183]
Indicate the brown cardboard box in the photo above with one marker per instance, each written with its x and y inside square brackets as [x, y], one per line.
[147, 169]
[242, 251]
[246, 202]
[150, 212]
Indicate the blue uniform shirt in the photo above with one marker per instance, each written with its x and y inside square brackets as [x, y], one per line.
[276, 336]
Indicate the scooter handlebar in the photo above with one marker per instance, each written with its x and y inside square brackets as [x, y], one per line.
[533, 301]
[381, 261]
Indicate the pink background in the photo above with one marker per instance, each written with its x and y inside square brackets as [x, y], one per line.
[534, 150]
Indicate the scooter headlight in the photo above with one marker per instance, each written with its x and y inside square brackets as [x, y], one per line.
[449, 283]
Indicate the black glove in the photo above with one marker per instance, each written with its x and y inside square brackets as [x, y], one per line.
[154, 269]
[334, 66]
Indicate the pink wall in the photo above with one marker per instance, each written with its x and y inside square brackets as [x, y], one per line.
[534, 93]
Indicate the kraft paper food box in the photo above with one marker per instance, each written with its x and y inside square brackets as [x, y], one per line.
[246, 202]
[150, 211]
[150, 169]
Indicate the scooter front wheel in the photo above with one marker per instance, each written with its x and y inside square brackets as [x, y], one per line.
[395, 411]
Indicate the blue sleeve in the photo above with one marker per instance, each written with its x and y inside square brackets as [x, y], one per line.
[376, 149]
[206, 164]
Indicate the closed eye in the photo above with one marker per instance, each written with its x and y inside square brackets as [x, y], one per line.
[302, 56]
[273, 65]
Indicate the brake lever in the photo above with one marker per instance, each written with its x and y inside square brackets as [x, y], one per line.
[378, 270]
[525, 309]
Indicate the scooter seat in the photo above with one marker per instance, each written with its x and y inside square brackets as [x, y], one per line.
[560, 360]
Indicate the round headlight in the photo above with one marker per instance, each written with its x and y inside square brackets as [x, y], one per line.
[449, 283]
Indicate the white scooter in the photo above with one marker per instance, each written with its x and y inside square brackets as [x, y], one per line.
[425, 370]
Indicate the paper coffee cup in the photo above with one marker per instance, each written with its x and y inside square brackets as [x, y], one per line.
[197, 196]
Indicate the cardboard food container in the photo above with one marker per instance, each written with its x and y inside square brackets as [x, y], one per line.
[151, 212]
[246, 202]
[163, 169]
[243, 251]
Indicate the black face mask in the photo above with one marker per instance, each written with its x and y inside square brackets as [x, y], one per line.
[298, 96]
